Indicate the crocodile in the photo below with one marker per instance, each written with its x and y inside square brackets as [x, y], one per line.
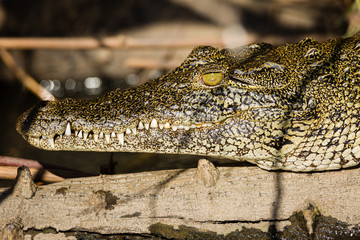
[293, 107]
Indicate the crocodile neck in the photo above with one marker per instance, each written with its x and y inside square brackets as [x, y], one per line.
[293, 107]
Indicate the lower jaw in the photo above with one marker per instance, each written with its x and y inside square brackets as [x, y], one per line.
[166, 141]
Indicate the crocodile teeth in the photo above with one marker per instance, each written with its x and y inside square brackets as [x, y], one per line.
[51, 141]
[107, 137]
[85, 135]
[141, 125]
[154, 123]
[68, 130]
[121, 138]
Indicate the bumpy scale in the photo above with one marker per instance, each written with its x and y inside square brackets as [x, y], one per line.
[293, 107]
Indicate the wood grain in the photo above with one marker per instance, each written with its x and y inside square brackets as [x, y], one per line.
[130, 203]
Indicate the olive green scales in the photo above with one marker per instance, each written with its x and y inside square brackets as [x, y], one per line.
[293, 107]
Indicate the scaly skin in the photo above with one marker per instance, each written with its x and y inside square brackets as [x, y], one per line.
[293, 107]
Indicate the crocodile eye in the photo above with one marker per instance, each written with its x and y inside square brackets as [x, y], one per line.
[212, 78]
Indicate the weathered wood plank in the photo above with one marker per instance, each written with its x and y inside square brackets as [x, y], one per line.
[130, 203]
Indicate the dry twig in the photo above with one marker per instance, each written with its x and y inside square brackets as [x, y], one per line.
[10, 172]
[29, 82]
[116, 42]
[45, 173]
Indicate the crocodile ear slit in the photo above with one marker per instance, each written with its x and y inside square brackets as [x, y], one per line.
[245, 78]
[244, 81]
[268, 75]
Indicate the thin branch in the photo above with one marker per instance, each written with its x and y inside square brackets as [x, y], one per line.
[116, 42]
[122, 41]
[10, 172]
[18, 162]
[29, 82]
[44, 172]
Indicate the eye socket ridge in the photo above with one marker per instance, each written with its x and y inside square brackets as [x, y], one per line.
[212, 78]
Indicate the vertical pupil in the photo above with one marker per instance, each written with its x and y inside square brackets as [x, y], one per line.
[212, 78]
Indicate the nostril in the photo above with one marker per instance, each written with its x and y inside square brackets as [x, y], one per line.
[27, 118]
[43, 104]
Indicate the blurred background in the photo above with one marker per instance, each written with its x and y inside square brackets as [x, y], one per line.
[158, 36]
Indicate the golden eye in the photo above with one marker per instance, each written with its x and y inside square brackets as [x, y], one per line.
[213, 78]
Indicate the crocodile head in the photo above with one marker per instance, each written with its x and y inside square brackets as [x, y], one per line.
[252, 103]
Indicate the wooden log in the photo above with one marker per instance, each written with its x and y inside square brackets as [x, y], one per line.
[218, 200]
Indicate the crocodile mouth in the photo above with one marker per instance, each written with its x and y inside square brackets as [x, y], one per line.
[127, 135]
[113, 140]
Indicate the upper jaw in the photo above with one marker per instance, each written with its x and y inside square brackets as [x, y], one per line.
[43, 135]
